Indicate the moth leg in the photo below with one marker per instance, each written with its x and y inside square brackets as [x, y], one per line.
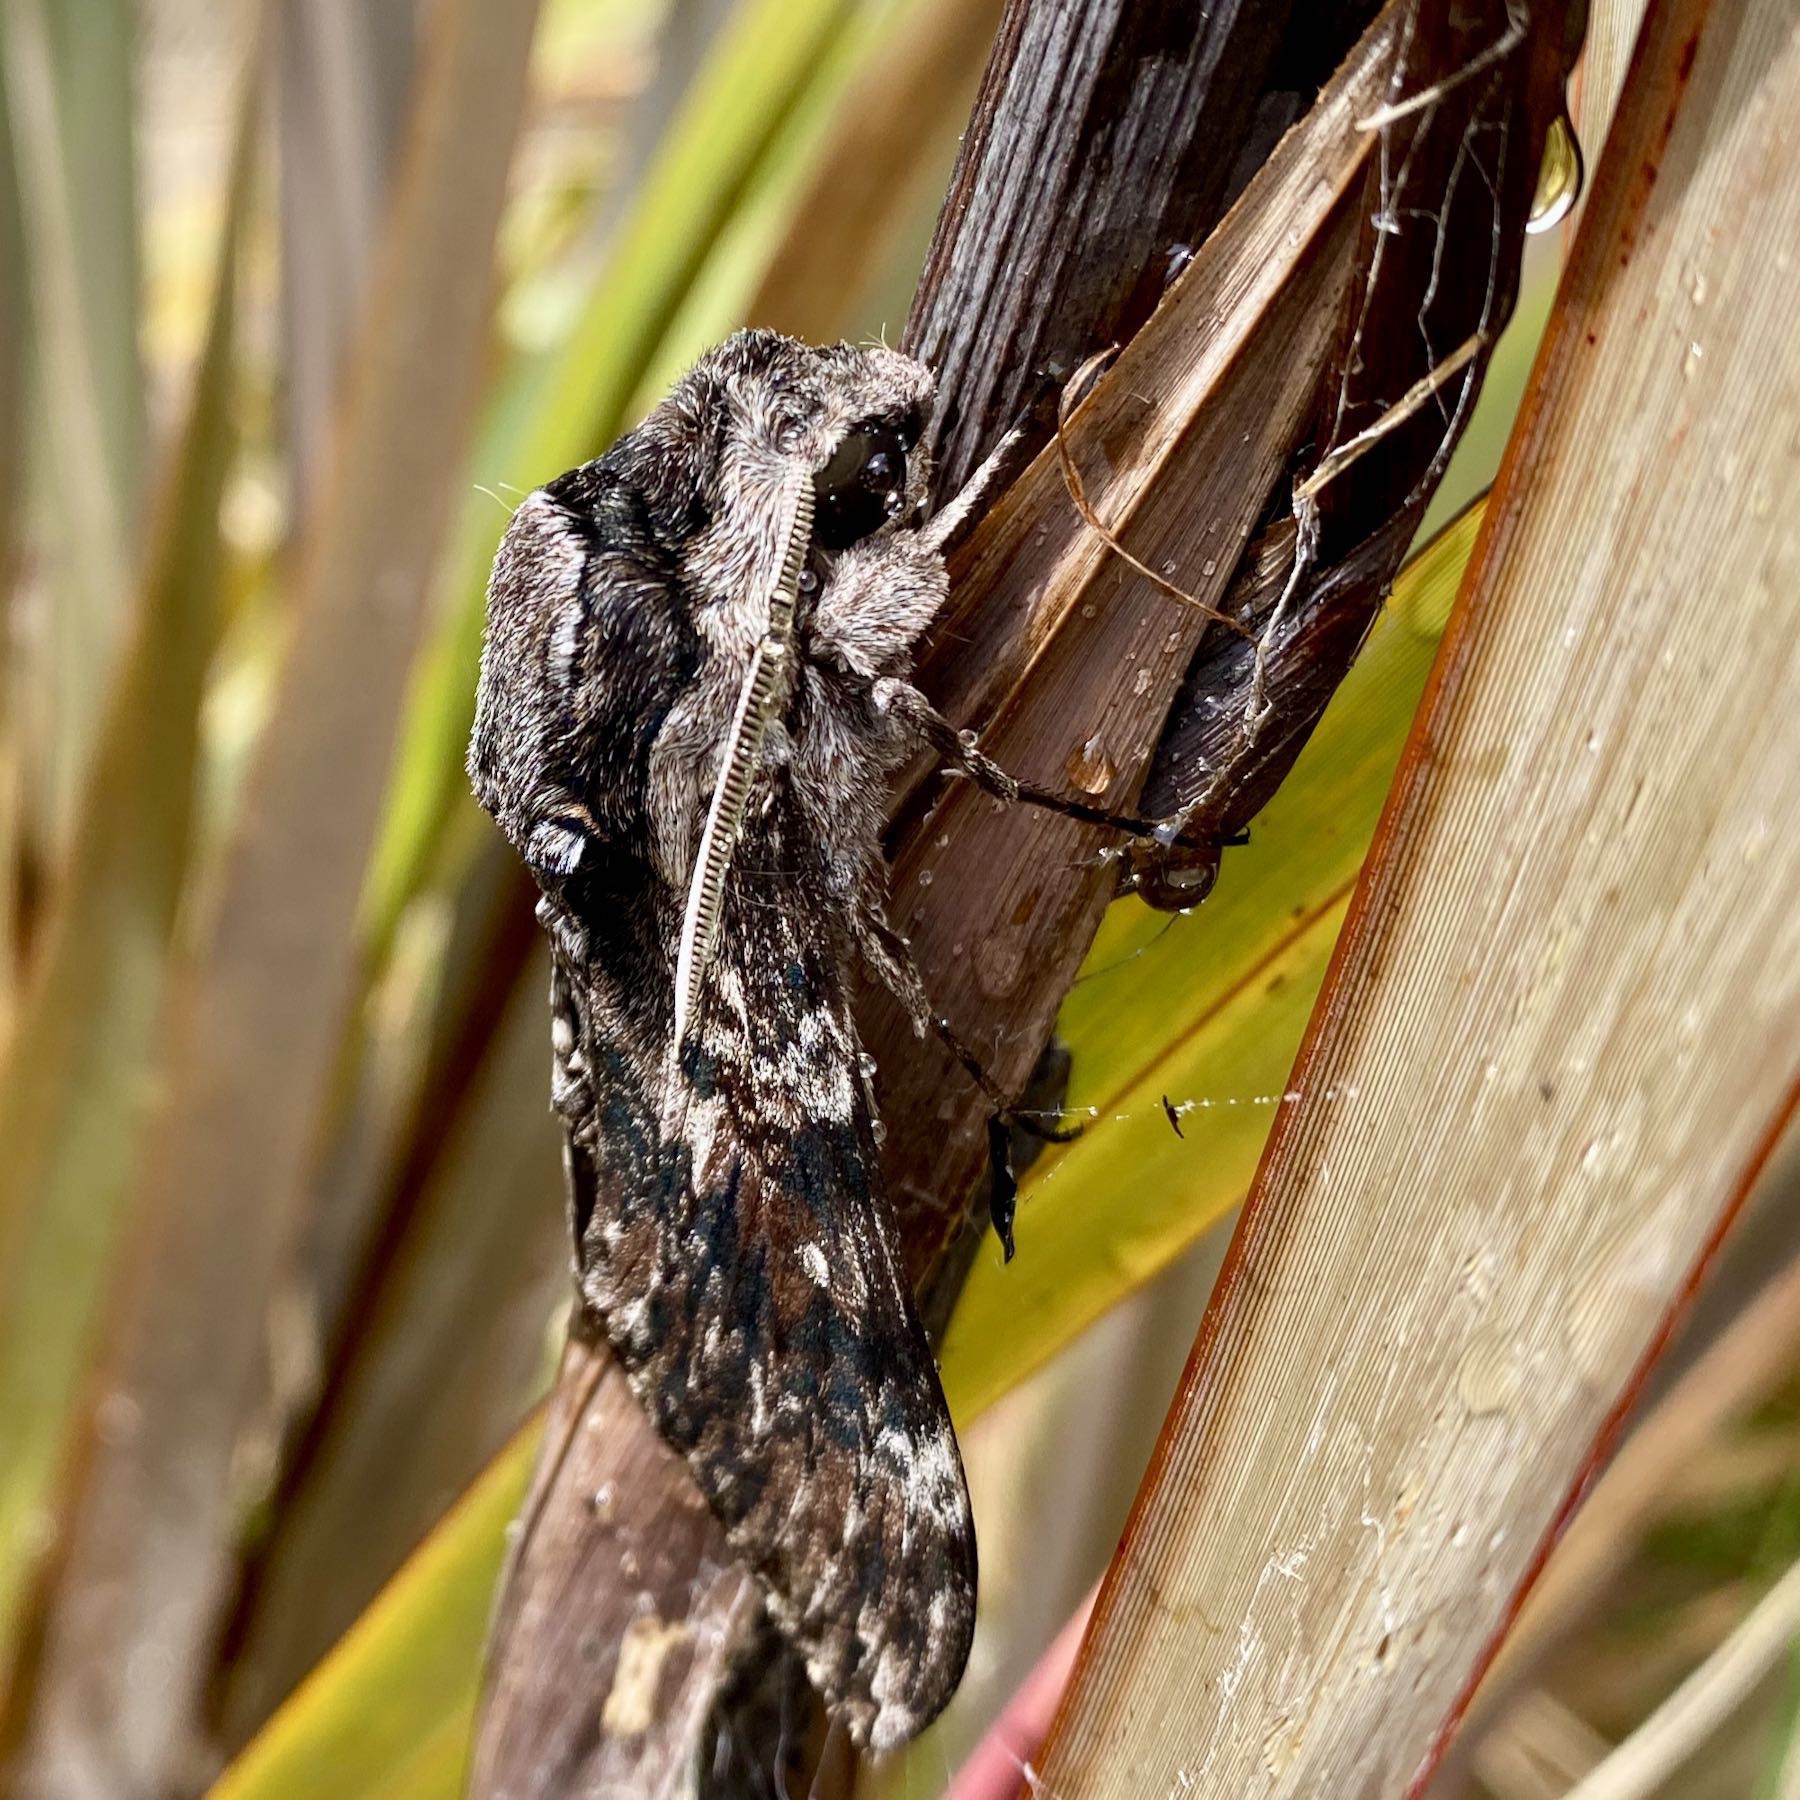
[890, 960]
[1006, 1112]
[902, 701]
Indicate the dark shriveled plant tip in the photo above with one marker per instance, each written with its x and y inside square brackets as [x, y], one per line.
[1473, 97]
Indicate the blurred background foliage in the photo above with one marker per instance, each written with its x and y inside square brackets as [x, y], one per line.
[199, 208]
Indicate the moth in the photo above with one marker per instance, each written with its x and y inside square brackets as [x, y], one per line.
[694, 692]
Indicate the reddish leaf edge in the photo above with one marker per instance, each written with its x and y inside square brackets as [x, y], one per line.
[995, 1767]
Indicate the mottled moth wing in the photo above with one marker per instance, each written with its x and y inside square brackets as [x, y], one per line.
[750, 1281]
[732, 1234]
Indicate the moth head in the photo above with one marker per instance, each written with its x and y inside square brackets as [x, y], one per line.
[868, 474]
[826, 411]
[765, 417]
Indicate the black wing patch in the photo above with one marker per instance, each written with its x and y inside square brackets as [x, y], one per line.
[588, 645]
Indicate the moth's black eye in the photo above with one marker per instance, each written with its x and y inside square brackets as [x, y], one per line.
[861, 488]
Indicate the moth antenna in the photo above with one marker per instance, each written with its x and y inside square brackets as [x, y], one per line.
[760, 699]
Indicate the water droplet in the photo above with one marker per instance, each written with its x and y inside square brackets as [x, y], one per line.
[1281, 1744]
[118, 1419]
[1089, 767]
[1479, 1276]
[1486, 1380]
[1560, 177]
[808, 581]
[1141, 686]
[999, 962]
